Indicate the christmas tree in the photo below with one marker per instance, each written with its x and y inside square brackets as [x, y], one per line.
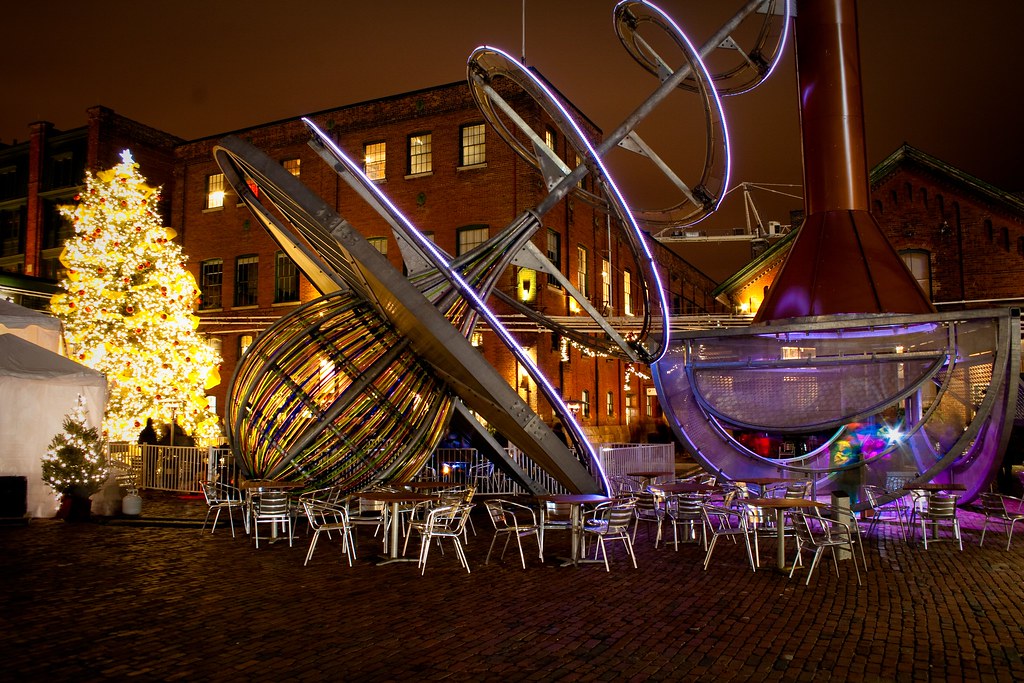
[127, 308]
[74, 462]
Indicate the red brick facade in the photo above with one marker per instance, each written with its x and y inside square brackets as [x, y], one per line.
[450, 197]
[971, 233]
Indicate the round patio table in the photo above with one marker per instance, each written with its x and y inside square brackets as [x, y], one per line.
[780, 505]
[577, 501]
[393, 498]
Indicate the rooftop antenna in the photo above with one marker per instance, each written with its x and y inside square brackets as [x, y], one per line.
[522, 56]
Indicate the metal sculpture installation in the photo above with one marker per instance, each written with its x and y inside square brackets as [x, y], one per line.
[848, 376]
[357, 386]
[837, 383]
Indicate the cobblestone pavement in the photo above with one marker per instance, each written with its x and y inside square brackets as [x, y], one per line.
[156, 599]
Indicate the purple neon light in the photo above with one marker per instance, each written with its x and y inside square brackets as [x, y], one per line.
[440, 262]
[697, 62]
[627, 213]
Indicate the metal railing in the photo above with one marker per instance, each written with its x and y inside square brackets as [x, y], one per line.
[170, 468]
[182, 468]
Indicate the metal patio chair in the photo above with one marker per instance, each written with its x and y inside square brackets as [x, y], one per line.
[273, 508]
[220, 497]
[325, 518]
[727, 522]
[445, 521]
[940, 508]
[610, 522]
[994, 507]
[822, 533]
[513, 520]
[894, 512]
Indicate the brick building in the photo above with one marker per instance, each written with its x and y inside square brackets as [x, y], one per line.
[434, 157]
[962, 238]
[47, 171]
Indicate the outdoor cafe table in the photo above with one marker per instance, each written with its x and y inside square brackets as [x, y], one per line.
[765, 481]
[648, 476]
[684, 487]
[935, 486]
[393, 498]
[780, 505]
[426, 485]
[577, 501]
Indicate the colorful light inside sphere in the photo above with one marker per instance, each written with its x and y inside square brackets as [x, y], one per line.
[127, 308]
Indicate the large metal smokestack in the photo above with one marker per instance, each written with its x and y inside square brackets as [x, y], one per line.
[841, 261]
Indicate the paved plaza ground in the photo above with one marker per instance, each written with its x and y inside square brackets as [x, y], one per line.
[154, 599]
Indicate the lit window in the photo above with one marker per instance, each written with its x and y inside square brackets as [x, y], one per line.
[579, 162]
[609, 404]
[606, 282]
[919, 263]
[379, 243]
[246, 280]
[420, 158]
[215, 191]
[244, 342]
[474, 147]
[585, 401]
[211, 277]
[470, 237]
[286, 279]
[292, 166]
[554, 253]
[627, 293]
[374, 158]
[549, 138]
[583, 270]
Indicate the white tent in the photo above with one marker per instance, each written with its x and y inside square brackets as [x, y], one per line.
[38, 328]
[37, 389]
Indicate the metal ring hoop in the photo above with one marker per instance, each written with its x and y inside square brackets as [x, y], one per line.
[748, 72]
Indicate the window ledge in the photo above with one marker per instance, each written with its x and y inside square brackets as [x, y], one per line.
[425, 174]
[218, 309]
[249, 307]
[471, 167]
[296, 302]
[213, 209]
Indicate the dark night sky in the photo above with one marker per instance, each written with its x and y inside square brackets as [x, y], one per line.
[943, 76]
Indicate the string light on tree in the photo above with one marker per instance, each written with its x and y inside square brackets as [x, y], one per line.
[127, 307]
[74, 463]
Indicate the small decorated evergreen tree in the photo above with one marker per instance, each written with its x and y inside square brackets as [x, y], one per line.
[74, 465]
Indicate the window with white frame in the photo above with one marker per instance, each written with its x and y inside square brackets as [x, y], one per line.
[627, 293]
[374, 160]
[585, 401]
[609, 404]
[583, 270]
[286, 279]
[474, 144]
[420, 156]
[606, 282]
[215, 191]
[469, 237]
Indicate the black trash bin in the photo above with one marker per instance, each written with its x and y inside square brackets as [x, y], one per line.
[13, 496]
